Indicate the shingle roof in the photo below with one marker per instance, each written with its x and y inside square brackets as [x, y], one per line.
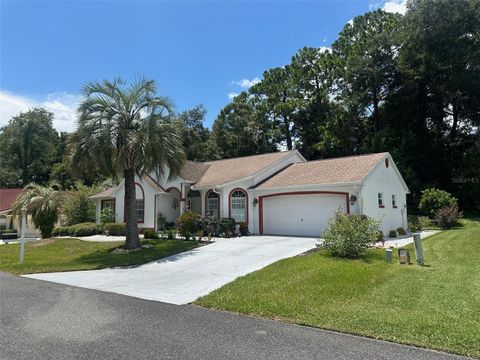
[8, 197]
[351, 169]
[227, 170]
[104, 194]
[193, 170]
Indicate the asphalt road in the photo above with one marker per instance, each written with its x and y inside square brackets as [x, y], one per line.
[42, 320]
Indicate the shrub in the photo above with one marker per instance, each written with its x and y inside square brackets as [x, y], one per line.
[188, 224]
[170, 234]
[115, 229]
[380, 236]
[434, 199]
[150, 234]
[350, 236]
[401, 231]
[447, 216]
[84, 229]
[209, 225]
[161, 221]
[243, 229]
[79, 208]
[61, 231]
[107, 216]
[226, 227]
[419, 223]
[392, 234]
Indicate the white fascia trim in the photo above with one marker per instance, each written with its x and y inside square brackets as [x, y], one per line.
[395, 168]
[354, 185]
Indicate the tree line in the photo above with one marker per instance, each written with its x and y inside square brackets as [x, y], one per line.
[407, 84]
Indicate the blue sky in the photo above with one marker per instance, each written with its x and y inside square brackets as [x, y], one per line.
[198, 52]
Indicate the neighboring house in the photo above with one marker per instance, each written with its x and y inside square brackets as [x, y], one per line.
[277, 193]
[10, 221]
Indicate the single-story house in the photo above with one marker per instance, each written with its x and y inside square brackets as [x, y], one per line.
[10, 221]
[277, 193]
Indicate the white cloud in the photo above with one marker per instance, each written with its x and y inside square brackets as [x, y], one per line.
[232, 95]
[62, 105]
[350, 22]
[245, 83]
[325, 49]
[395, 6]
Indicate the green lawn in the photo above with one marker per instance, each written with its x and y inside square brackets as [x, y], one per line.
[436, 306]
[72, 254]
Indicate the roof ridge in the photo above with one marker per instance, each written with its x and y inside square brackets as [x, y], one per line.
[343, 157]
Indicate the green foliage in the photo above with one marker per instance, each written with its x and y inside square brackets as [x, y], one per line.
[150, 141]
[107, 215]
[150, 234]
[392, 234]
[82, 229]
[418, 223]
[434, 199]
[79, 208]
[29, 146]
[209, 225]
[161, 221]
[401, 231]
[350, 236]
[448, 216]
[188, 224]
[380, 236]
[226, 227]
[43, 204]
[115, 229]
[243, 228]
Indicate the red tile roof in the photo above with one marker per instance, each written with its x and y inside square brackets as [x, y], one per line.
[8, 197]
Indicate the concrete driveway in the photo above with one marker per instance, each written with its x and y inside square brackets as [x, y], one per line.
[182, 278]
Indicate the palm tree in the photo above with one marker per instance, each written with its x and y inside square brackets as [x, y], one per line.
[124, 129]
[43, 203]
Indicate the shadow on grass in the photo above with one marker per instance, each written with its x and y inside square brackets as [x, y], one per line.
[101, 259]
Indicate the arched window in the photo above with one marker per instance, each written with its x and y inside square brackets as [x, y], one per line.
[212, 204]
[239, 205]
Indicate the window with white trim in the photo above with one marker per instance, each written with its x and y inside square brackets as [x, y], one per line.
[238, 206]
[380, 200]
[139, 210]
[213, 204]
[394, 201]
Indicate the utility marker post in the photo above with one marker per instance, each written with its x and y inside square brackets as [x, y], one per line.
[22, 238]
[417, 241]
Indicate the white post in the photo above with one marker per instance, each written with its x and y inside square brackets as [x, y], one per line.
[22, 238]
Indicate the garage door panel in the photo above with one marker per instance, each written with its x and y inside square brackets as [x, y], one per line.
[301, 215]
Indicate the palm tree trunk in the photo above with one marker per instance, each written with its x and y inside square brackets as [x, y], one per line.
[132, 241]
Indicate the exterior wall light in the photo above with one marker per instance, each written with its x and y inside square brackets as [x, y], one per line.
[353, 199]
[255, 202]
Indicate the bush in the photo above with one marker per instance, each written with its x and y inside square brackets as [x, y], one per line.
[401, 231]
[434, 199]
[447, 216]
[243, 228]
[380, 236]
[61, 231]
[350, 236]
[84, 229]
[150, 234]
[392, 234]
[188, 224]
[209, 225]
[115, 229]
[170, 234]
[79, 207]
[161, 221]
[107, 216]
[419, 223]
[226, 227]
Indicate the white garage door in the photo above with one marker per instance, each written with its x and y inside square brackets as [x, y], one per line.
[301, 215]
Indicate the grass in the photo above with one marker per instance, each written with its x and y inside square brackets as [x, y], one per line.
[436, 306]
[53, 255]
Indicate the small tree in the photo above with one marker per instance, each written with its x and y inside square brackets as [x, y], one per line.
[79, 208]
[350, 236]
[188, 224]
[447, 216]
[433, 199]
[43, 203]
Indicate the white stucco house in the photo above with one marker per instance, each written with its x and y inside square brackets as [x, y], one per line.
[277, 194]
